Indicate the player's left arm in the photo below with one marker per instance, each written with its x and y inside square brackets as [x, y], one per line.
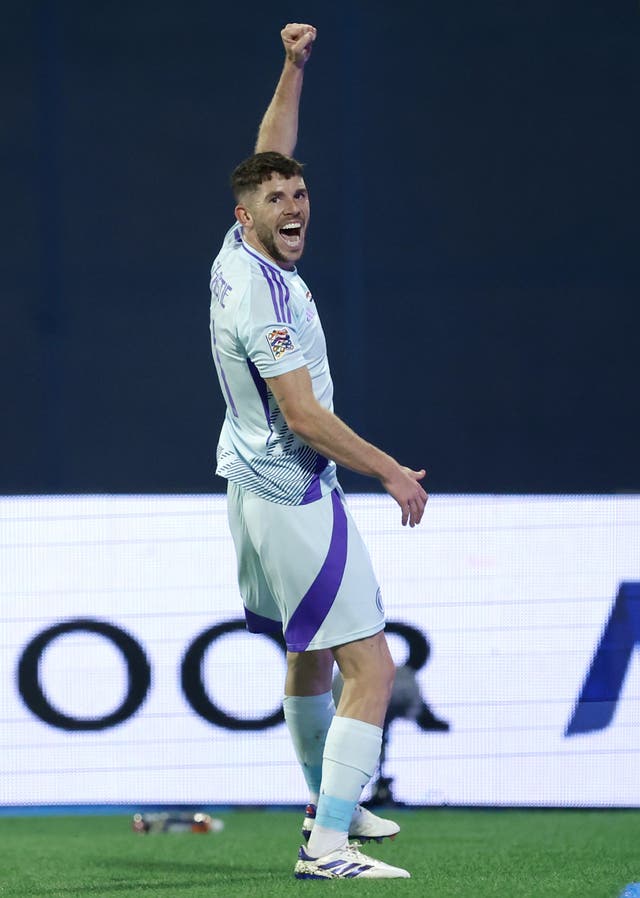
[278, 130]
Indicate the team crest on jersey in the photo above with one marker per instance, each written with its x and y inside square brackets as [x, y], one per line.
[279, 341]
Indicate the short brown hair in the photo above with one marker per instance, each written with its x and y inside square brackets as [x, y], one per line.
[257, 169]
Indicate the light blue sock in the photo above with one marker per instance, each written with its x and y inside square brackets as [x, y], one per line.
[308, 718]
[351, 752]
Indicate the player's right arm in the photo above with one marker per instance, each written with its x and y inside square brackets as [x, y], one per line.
[278, 130]
[330, 436]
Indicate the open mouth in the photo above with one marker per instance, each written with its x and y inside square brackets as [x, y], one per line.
[292, 234]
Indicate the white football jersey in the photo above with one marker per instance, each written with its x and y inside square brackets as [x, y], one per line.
[264, 322]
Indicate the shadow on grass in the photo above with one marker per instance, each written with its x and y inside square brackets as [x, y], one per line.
[161, 875]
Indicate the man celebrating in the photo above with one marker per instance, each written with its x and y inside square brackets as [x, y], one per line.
[302, 566]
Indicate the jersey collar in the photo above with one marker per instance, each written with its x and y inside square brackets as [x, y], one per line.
[264, 260]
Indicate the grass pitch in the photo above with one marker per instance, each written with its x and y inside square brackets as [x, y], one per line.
[450, 853]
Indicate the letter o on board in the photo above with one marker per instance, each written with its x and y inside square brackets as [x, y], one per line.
[138, 674]
[196, 694]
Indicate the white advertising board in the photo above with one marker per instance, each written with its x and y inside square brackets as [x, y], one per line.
[126, 676]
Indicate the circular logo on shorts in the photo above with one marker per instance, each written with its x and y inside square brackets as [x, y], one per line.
[379, 604]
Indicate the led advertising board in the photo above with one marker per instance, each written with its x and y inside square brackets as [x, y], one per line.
[126, 675]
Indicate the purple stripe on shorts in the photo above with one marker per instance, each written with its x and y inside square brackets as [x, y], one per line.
[278, 311]
[314, 491]
[256, 623]
[309, 616]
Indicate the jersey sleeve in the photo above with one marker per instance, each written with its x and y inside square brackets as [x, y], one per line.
[268, 330]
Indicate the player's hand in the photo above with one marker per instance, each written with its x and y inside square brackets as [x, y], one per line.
[298, 40]
[405, 488]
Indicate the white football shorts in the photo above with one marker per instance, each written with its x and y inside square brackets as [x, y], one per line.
[304, 570]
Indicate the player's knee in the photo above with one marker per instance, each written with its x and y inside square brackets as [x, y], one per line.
[379, 677]
[388, 675]
[308, 673]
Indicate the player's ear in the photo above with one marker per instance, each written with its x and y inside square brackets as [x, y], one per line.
[243, 215]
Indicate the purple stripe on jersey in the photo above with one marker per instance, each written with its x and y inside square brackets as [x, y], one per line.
[275, 285]
[285, 295]
[261, 387]
[256, 623]
[237, 235]
[269, 281]
[223, 376]
[277, 279]
[314, 491]
[309, 616]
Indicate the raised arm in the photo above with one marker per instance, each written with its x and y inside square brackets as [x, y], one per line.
[278, 130]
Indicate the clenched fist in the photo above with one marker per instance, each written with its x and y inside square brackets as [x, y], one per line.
[298, 40]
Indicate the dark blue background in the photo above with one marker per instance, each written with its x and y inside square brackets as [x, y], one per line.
[474, 248]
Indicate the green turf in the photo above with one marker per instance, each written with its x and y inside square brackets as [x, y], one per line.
[513, 854]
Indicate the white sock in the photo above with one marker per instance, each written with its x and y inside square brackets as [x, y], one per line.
[351, 752]
[308, 718]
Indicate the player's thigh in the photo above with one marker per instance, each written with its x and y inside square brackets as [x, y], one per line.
[291, 542]
[254, 588]
[356, 610]
[317, 569]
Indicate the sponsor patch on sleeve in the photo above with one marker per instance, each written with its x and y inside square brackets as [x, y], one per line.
[280, 341]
